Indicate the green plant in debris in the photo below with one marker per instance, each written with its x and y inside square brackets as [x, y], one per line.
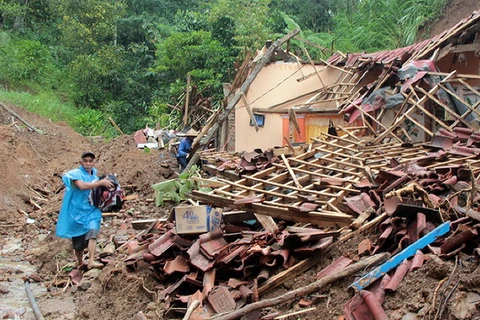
[176, 189]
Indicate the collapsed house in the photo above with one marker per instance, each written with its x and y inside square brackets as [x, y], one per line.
[402, 159]
[405, 94]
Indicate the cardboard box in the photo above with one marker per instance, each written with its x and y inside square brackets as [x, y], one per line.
[197, 219]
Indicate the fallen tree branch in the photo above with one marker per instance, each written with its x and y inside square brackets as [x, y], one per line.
[317, 285]
[13, 113]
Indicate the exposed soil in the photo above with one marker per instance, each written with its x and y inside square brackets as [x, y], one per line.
[31, 167]
[455, 11]
[35, 162]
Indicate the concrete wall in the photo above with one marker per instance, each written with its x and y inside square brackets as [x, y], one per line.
[277, 83]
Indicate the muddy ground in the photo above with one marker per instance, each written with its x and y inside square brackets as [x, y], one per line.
[33, 164]
[31, 193]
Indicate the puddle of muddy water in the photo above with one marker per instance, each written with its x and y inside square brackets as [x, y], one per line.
[14, 303]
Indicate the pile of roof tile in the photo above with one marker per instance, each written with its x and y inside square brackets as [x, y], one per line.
[405, 194]
[222, 269]
[415, 198]
[243, 163]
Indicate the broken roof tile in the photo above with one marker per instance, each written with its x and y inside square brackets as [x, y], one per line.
[335, 266]
[179, 264]
[365, 306]
[212, 243]
[221, 300]
[417, 261]
[461, 235]
[197, 259]
[162, 244]
[398, 275]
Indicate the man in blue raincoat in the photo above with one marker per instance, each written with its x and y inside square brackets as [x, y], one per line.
[79, 220]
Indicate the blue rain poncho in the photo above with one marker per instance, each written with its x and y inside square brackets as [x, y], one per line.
[77, 216]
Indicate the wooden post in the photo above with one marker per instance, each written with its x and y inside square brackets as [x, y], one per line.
[115, 125]
[250, 112]
[187, 98]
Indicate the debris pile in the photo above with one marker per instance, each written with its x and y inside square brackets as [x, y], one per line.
[405, 190]
[153, 139]
[223, 269]
[237, 164]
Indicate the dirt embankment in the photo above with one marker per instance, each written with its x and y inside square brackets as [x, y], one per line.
[31, 192]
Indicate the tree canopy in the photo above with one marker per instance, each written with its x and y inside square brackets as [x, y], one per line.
[129, 59]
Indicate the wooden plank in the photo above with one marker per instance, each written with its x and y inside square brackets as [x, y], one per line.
[430, 133]
[289, 274]
[115, 125]
[316, 218]
[314, 67]
[293, 117]
[444, 106]
[250, 112]
[267, 223]
[283, 186]
[292, 174]
[399, 121]
[313, 164]
[466, 48]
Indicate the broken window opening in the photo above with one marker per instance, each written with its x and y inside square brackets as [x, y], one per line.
[260, 119]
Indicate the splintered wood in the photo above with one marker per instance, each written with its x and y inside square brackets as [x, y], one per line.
[310, 187]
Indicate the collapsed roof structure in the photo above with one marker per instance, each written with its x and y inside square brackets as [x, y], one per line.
[405, 162]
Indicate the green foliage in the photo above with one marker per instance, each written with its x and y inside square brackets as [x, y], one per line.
[126, 116]
[10, 10]
[160, 113]
[97, 76]
[396, 26]
[176, 190]
[250, 19]
[24, 61]
[87, 25]
[46, 104]
[314, 15]
[89, 122]
[194, 52]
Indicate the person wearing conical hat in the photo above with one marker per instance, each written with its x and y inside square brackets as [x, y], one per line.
[185, 147]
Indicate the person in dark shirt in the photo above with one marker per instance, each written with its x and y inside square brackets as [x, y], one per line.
[185, 147]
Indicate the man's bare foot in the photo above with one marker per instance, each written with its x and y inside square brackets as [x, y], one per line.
[94, 264]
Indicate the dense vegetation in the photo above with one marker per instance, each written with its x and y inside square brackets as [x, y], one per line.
[84, 61]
